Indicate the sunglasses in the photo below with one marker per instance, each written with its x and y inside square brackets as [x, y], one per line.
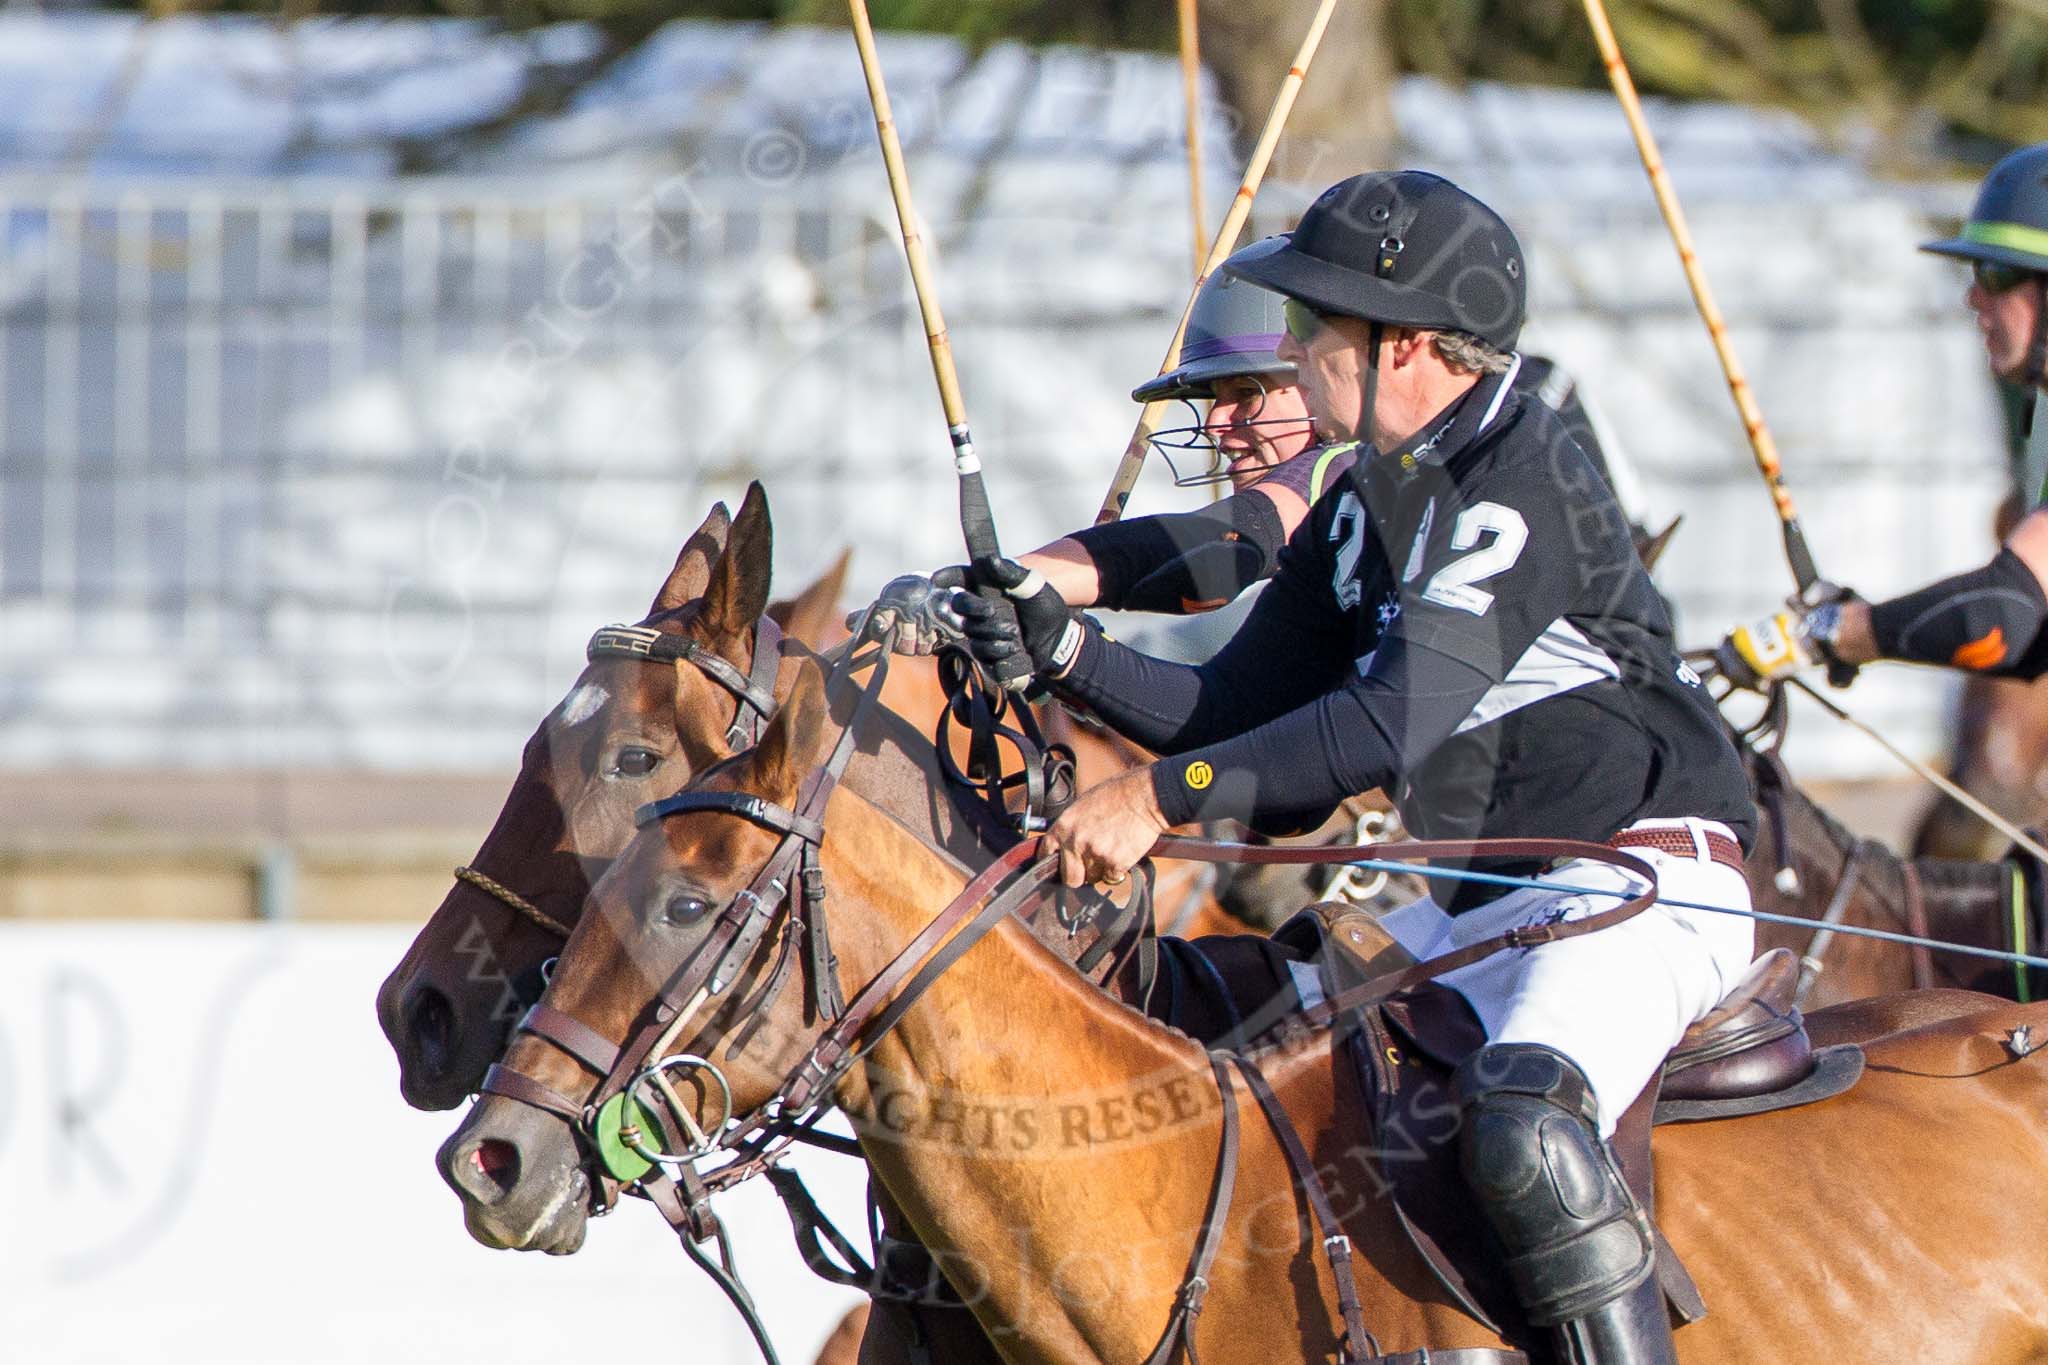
[1303, 322]
[1993, 277]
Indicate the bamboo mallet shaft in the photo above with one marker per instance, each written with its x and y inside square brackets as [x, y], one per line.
[1133, 461]
[1191, 89]
[977, 523]
[1761, 444]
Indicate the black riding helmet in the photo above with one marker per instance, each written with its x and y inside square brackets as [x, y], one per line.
[1401, 247]
[2008, 225]
[1405, 248]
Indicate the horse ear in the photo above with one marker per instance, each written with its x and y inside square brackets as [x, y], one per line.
[687, 580]
[812, 616]
[1652, 547]
[793, 746]
[738, 592]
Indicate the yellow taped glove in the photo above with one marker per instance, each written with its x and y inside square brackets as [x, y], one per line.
[1763, 652]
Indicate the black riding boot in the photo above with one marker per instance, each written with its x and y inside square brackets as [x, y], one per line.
[1579, 1248]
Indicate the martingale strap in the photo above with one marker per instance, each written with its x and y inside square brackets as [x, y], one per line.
[1359, 1344]
[1194, 1289]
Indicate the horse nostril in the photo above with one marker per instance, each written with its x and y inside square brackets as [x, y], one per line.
[431, 1021]
[497, 1162]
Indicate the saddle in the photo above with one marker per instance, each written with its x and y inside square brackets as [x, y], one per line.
[1751, 1055]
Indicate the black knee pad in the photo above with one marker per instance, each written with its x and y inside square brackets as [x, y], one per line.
[1531, 1152]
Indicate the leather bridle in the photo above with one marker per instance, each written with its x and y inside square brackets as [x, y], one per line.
[754, 702]
[790, 885]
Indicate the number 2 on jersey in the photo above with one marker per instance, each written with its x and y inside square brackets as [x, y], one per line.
[1452, 585]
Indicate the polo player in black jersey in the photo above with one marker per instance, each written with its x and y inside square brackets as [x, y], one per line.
[1990, 619]
[1259, 437]
[1462, 622]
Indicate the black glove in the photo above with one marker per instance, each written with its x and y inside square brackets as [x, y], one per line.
[1014, 635]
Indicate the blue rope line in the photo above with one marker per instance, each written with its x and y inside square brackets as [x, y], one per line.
[1526, 883]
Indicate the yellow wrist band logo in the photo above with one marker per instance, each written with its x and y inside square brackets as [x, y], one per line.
[1199, 775]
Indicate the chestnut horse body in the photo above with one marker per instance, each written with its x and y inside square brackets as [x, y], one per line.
[2001, 758]
[1056, 1149]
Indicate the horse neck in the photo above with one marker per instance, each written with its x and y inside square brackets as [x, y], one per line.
[898, 773]
[1960, 900]
[1966, 902]
[1017, 1111]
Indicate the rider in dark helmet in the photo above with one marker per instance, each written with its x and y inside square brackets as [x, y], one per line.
[1258, 435]
[1990, 619]
[1462, 622]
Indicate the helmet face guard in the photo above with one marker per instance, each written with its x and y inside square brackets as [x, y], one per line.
[1193, 451]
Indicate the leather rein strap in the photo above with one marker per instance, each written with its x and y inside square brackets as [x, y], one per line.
[1524, 936]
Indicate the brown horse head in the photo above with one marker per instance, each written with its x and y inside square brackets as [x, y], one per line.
[629, 730]
[519, 1169]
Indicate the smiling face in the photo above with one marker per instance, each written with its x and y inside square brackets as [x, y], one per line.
[1257, 424]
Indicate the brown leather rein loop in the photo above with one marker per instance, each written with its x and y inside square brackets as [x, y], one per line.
[755, 1141]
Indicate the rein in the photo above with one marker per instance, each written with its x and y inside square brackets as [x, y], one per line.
[753, 693]
[616, 1120]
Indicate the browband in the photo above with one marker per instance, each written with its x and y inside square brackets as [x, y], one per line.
[755, 692]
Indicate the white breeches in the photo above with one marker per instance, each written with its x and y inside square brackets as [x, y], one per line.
[1615, 1001]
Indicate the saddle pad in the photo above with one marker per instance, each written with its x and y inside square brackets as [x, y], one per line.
[1835, 1069]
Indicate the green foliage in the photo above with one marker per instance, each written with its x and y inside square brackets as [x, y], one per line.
[1917, 73]
[1909, 70]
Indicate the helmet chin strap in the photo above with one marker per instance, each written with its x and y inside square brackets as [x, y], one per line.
[1372, 384]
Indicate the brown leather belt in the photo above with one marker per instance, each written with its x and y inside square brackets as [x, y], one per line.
[1720, 847]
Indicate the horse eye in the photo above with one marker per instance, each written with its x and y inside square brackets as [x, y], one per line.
[635, 762]
[685, 908]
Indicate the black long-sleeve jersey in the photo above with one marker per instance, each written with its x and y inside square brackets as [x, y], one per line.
[1461, 622]
[1181, 562]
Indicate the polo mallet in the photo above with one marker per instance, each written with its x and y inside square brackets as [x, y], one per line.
[1191, 88]
[977, 521]
[1133, 462]
[1760, 443]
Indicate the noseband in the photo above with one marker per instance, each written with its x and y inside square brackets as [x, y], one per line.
[753, 693]
[614, 1122]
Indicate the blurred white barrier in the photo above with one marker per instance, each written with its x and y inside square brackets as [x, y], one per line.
[339, 469]
[204, 1158]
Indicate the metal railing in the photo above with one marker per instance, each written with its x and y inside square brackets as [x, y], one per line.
[316, 472]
